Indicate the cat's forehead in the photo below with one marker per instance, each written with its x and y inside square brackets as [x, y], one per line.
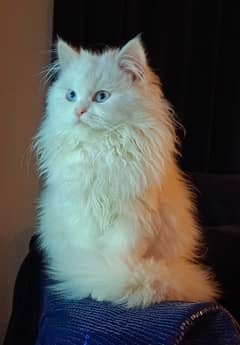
[93, 67]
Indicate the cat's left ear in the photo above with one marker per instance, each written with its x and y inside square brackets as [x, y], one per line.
[132, 58]
[65, 53]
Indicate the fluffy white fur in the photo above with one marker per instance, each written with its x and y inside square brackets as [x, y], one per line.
[116, 217]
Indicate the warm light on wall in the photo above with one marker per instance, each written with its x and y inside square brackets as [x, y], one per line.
[26, 36]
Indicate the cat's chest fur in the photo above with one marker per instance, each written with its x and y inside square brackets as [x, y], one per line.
[86, 202]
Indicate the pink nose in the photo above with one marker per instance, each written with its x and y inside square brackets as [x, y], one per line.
[79, 112]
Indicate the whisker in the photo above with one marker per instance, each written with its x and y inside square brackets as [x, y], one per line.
[27, 156]
[49, 71]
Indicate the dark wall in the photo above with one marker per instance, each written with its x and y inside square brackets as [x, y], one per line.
[193, 46]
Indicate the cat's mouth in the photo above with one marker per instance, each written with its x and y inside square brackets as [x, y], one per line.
[86, 121]
[80, 120]
[91, 121]
[80, 123]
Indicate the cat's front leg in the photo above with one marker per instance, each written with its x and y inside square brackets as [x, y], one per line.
[119, 245]
[104, 277]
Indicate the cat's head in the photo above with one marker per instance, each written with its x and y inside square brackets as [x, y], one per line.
[101, 91]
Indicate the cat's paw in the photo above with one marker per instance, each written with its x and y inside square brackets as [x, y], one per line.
[104, 295]
[137, 296]
[132, 296]
[97, 298]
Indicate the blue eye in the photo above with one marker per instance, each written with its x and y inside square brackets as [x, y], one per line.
[71, 95]
[101, 96]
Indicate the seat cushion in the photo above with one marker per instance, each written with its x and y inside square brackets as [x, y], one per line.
[88, 322]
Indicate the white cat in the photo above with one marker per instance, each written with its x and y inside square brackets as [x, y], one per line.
[116, 217]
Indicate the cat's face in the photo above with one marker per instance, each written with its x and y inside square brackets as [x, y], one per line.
[98, 92]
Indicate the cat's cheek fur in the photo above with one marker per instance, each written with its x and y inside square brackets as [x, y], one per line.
[60, 111]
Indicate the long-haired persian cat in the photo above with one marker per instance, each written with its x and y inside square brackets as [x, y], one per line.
[116, 218]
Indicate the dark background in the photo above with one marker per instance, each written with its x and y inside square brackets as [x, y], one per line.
[194, 48]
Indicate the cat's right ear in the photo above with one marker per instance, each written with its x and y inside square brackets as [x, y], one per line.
[65, 53]
[132, 58]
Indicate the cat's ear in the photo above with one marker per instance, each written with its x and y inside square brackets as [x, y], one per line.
[132, 58]
[65, 53]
